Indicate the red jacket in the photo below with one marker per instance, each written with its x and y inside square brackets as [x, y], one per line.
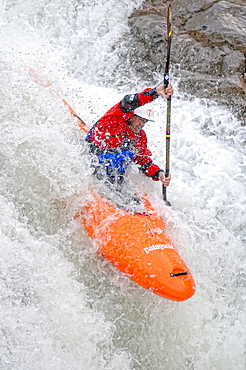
[112, 132]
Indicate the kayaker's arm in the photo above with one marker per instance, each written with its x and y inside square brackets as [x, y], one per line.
[132, 101]
[143, 159]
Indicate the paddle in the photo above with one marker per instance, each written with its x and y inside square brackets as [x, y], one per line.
[166, 83]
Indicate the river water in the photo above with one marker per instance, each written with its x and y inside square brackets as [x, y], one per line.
[62, 305]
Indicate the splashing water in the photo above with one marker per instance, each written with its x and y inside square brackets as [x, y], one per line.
[62, 305]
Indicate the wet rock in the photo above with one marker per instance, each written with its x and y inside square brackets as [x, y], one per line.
[208, 47]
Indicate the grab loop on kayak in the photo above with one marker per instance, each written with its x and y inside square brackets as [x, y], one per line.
[179, 274]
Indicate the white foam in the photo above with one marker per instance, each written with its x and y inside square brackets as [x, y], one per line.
[62, 304]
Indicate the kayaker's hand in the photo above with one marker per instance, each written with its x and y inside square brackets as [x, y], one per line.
[165, 93]
[165, 180]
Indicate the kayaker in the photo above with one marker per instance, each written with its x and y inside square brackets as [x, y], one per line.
[118, 138]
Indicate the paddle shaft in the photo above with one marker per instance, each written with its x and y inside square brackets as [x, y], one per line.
[166, 83]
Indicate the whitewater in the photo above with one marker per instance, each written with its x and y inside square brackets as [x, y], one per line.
[62, 305]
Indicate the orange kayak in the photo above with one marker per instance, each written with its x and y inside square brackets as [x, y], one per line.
[139, 246]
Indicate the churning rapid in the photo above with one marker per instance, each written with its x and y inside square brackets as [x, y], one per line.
[62, 305]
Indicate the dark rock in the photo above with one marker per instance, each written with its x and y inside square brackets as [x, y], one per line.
[208, 47]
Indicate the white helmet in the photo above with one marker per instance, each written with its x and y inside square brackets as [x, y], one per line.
[145, 111]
